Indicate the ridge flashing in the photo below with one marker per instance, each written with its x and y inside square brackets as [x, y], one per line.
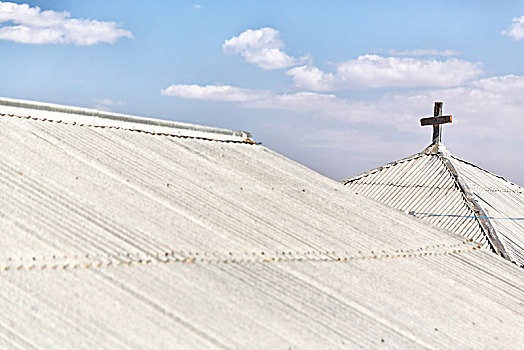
[436, 148]
[81, 115]
[469, 197]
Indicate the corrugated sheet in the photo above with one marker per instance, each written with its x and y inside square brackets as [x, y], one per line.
[113, 238]
[423, 186]
[502, 201]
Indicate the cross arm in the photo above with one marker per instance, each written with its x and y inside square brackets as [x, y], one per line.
[443, 119]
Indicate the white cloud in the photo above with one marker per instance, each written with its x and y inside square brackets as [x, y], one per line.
[374, 71]
[105, 104]
[507, 85]
[424, 52]
[34, 26]
[516, 30]
[484, 105]
[262, 47]
[311, 78]
[377, 71]
[213, 93]
[324, 105]
[198, 6]
[300, 102]
[109, 102]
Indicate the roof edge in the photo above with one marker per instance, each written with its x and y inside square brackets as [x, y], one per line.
[440, 148]
[61, 112]
[485, 170]
[374, 170]
[433, 148]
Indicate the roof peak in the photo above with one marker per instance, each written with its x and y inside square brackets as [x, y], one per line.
[73, 114]
[436, 148]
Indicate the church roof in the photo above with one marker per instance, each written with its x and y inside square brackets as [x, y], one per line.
[453, 194]
[122, 232]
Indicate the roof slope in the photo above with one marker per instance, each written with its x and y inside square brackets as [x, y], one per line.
[113, 237]
[452, 194]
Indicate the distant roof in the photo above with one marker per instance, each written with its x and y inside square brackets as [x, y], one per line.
[453, 194]
[124, 237]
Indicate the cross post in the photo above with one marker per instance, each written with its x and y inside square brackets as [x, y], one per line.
[437, 120]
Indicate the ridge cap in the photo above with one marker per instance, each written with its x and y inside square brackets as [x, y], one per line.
[436, 148]
[469, 197]
[146, 123]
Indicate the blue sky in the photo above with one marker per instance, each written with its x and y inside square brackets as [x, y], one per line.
[336, 85]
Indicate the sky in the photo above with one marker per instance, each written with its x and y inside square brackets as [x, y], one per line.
[339, 86]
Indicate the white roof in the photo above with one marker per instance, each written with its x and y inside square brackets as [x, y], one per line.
[452, 194]
[120, 238]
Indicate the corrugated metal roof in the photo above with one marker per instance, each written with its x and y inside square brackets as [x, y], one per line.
[424, 185]
[114, 238]
[503, 203]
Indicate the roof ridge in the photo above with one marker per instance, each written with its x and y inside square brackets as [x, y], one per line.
[472, 203]
[247, 140]
[93, 116]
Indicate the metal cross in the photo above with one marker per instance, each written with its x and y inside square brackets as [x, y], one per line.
[437, 120]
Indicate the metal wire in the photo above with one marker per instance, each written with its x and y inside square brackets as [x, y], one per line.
[414, 213]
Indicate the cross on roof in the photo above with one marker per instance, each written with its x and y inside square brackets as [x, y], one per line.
[437, 120]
